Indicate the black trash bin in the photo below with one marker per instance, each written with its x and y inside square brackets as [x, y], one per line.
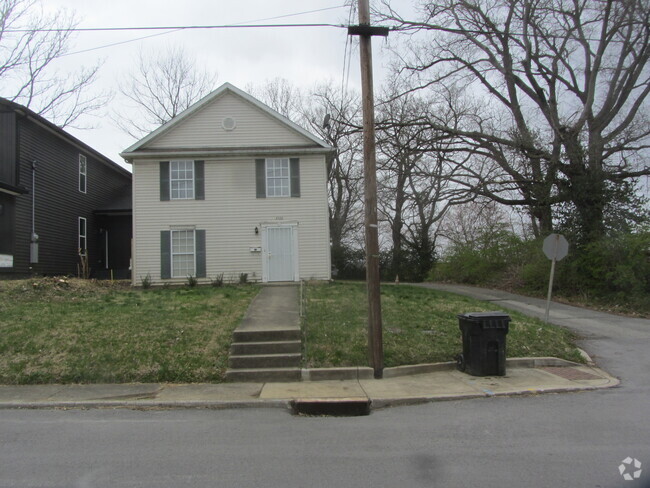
[484, 343]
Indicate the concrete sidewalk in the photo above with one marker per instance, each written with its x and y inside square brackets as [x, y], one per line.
[400, 386]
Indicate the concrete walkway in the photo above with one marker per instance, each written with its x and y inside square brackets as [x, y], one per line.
[275, 307]
[400, 386]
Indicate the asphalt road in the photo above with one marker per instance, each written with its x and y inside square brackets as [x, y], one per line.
[567, 440]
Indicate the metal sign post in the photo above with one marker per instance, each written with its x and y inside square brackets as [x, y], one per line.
[555, 248]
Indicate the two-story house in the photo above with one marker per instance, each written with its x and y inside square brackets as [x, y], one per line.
[230, 187]
[61, 202]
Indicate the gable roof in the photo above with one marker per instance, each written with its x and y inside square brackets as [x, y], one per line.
[140, 147]
[62, 134]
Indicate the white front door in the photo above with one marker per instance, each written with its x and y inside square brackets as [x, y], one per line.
[279, 253]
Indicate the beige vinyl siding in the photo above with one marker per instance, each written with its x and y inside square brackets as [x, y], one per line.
[255, 128]
[229, 215]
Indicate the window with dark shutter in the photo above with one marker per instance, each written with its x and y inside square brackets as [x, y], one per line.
[200, 253]
[199, 180]
[164, 180]
[295, 177]
[165, 255]
[260, 178]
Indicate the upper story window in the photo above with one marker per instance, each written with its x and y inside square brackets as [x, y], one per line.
[181, 178]
[277, 178]
[83, 168]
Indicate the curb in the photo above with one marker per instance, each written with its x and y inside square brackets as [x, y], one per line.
[131, 401]
[148, 405]
[365, 373]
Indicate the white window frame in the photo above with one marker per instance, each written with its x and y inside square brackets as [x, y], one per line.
[272, 193]
[189, 182]
[83, 173]
[174, 273]
[83, 250]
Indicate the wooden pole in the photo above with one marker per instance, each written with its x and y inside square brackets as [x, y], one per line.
[375, 343]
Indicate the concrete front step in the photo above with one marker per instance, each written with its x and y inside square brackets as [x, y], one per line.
[266, 335]
[263, 375]
[265, 361]
[267, 347]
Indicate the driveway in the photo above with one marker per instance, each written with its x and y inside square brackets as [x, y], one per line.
[616, 343]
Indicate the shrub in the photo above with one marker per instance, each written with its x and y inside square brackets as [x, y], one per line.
[486, 261]
[192, 281]
[146, 281]
[614, 270]
[348, 263]
[217, 282]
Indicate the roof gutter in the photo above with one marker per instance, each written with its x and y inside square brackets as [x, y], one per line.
[217, 153]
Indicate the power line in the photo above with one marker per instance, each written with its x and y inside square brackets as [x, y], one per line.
[117, 43]
[347, 59]
[290, 15]
[96, 48]
[173, 27]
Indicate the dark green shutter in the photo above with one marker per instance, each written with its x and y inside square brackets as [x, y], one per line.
[199, 235]
[199, 180]
[260, 177]
[295, 176]
[165, 255]
[164, 180]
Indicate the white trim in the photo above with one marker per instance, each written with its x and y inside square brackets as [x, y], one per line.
[171, 251]
[82, 251]
[193, 180]
[83, 173]
[198, 154]
[288, 177]
[226, 87]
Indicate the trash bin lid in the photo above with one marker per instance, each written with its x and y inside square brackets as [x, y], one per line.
[484, 315]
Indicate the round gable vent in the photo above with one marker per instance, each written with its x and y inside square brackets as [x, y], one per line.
[229, 123]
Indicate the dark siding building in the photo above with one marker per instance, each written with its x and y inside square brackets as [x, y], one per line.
[59, 198]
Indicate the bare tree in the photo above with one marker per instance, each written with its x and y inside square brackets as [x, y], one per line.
[281, 95]
[161, 87]
[418, 166]
[402, 144]
[30, 43]
[335, 117]
[564, 89]
[474, 223]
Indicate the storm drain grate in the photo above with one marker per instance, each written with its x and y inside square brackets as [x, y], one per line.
[331, 407]
[569, 373]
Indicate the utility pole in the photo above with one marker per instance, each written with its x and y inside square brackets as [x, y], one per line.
[365, 33]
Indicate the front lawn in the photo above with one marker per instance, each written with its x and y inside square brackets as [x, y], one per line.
[419, 326]
[56, 330]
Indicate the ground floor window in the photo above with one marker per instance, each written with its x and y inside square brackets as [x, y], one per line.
[83, 246]
[183, 253]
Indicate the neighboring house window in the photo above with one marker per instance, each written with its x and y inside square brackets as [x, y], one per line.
[183, 253]
[181, 178]
[83, 168]
[83, 246]
[277, 177]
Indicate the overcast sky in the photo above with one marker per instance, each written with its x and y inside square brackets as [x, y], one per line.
[304, 56]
